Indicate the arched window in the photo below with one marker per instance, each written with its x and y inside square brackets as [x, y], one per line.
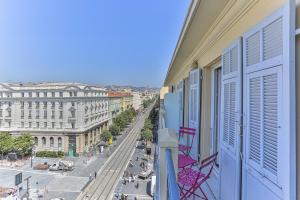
[51, 142]
[43, 142]
[59, 141]
[36, 141]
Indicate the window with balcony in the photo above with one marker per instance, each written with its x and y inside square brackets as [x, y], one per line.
[73, 113]
[60, 105]
[73, 125]
[29, 114]
[8, 113]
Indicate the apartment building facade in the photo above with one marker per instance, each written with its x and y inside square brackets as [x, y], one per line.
[234, 78]
[65, 117]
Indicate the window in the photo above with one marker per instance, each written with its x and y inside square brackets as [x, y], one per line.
[29, 114]
[38, 124]
[29, 124]
[9, 124]
[45, 114]
[45, 124]
[22, 114]
[37, 105]
[1, 113]
[60, 114]
[36, 141]
[45, 94]
[43, 142]
[73, 125]
[72, 113]
[53, 114]
[73, 103]
[8, 113]
[29, 104]
[30, 94]
[59, 142]
[75, 94]
[53, 94]
[22, 124]
[52, 105]
[53, 125]
[22, 94]
[60, 105]
[45, 104]
[37, 94]
[70, 94]
[60, 94]
[60, 125]
[37, 114]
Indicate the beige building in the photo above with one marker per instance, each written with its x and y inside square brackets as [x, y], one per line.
[65, 117]
[234, 77]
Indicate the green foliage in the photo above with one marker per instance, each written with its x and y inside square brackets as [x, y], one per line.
[147, 135]
[147, 102]
[23, 144]
[114, 129]
[6, 143]
[148, 124]
[105, 136]
[50, 154]
[123, 119]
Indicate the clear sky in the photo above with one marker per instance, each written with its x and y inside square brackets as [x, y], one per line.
[90, 41]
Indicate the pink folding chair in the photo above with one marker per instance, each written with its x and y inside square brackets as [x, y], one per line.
[184, 158]
[190, 180]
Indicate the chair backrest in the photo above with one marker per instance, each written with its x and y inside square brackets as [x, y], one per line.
[186, 131]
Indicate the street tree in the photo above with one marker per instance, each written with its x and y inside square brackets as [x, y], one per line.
[6, 143]
[147, 135]
[23, 144]
[114, 129]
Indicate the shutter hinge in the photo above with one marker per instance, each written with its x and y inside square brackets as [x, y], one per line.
[241, 156]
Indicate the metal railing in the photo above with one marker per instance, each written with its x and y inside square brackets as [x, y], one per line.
[173, 192]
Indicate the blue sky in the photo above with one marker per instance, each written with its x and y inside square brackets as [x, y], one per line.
[91, 41]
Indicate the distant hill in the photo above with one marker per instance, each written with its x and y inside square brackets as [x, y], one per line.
[134, 88]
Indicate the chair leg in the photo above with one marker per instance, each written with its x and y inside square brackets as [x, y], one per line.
[205, 197]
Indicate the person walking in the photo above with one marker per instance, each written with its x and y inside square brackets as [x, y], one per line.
[95, 175]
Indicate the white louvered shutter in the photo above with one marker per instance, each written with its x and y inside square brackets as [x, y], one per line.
[267, 109]
[231, 112]
[181, 102]
[194, 111]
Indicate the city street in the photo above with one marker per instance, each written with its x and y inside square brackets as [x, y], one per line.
[108, 176]
[70, 184]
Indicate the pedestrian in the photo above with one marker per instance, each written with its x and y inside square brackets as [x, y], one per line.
[95, 175]
[90, 177]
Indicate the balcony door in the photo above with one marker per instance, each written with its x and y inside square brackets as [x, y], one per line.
[194, 109]
[231, 111]
[269, 112]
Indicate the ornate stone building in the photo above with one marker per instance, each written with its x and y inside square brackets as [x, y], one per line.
[60, 116]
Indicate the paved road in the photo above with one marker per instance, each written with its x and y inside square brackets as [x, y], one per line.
[103, 186]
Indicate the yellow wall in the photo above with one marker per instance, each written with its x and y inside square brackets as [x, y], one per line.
[240, 17]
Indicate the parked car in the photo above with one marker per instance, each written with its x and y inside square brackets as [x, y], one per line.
[62, 165]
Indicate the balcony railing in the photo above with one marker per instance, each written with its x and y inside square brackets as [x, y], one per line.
[167, 162]
[173, 192]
